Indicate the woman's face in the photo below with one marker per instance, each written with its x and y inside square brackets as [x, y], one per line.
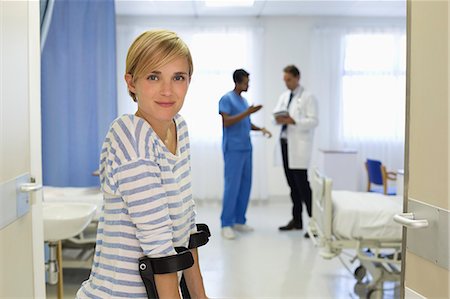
[160, 94]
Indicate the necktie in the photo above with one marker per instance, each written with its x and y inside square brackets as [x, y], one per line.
[284, 127]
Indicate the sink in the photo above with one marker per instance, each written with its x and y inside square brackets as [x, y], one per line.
[66, 220]
[91, 195]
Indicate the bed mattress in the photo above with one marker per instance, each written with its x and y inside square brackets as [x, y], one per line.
[366, 215]
[75, 194]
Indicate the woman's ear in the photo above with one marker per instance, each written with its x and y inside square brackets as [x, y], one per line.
[130, 83]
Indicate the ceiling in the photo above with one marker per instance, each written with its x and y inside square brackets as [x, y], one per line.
[197, 8]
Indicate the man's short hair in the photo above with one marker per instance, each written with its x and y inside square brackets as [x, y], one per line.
[293, 70]
[239, 75]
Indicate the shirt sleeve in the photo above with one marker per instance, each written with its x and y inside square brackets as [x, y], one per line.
[224, 105]
[279, 107]
[139, 183]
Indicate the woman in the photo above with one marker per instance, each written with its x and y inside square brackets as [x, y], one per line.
[145, 176]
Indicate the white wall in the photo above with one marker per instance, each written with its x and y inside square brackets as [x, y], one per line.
[286, 40]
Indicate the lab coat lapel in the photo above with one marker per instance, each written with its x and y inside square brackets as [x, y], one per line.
[296, 101]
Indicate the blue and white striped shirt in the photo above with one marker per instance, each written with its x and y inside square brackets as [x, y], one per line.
[148, 207]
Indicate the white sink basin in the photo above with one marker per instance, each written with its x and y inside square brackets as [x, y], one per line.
[91, 195]
[65, 220]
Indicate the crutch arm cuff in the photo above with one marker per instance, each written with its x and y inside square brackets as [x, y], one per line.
[201, 237]
[167, 264]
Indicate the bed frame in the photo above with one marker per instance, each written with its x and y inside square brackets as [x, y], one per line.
[380, 258]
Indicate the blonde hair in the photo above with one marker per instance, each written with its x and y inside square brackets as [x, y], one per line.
[153, 49]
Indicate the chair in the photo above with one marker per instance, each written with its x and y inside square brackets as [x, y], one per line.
[379, 176]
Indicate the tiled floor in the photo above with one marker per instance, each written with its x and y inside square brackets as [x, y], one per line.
[265, 263]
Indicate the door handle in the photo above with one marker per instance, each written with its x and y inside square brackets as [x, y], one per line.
[407, 219]
[30, 187]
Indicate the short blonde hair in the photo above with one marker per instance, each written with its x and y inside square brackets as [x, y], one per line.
[153, 49]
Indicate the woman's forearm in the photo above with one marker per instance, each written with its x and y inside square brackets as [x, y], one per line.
[194, 280]
[167, 286]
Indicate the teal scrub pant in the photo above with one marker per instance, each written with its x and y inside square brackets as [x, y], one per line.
[238, 182]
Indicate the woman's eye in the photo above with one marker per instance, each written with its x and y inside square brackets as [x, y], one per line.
[153, 77]
[178, 78]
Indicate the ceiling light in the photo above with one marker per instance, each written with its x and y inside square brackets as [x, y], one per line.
[229, 3]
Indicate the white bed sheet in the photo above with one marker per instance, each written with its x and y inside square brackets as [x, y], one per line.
[75, 194]
[366, 215]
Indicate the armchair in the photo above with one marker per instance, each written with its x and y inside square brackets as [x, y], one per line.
[378, 175]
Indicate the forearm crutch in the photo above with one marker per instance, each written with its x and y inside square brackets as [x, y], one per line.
[200, 238]
[148, 267]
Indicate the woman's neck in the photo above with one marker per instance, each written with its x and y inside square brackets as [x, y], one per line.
[166, 131]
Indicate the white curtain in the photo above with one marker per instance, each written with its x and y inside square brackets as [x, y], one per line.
[360, 76]
[217, 51]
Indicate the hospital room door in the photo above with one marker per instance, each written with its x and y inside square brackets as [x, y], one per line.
[22, 273]
[426, 265]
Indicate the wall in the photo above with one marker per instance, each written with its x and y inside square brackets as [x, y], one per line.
[286, 40]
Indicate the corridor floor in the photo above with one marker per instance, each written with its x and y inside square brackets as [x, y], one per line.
[264, 263]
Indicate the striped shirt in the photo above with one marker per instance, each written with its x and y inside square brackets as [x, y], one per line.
[148, 207]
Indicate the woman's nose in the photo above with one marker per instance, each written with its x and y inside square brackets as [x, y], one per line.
[166, 88]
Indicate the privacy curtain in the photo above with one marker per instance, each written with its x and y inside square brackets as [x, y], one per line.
[78, 90]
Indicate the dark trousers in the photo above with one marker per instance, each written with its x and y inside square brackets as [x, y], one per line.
[298, 182]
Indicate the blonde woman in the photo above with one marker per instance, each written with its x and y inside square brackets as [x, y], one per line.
[145, 176]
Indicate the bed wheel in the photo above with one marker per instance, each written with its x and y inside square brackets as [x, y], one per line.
[360, 273]
[360, 289]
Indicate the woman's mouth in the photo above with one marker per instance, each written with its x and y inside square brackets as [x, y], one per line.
[166, 104]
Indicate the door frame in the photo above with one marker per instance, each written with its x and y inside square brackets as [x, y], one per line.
[34, 53]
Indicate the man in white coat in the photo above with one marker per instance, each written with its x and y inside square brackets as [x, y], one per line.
[296, 113]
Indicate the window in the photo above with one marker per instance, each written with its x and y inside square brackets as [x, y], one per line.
[216, 55]
[373, 87]
[217, 52]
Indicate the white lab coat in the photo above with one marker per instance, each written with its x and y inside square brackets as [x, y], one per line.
[303, 109]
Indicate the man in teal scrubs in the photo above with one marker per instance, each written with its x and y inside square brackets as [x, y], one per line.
[237, 153]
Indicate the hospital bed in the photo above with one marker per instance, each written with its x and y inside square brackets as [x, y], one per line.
[78, 251]
[360, 222]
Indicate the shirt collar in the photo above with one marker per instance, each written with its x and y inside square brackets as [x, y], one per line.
[296, 90]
